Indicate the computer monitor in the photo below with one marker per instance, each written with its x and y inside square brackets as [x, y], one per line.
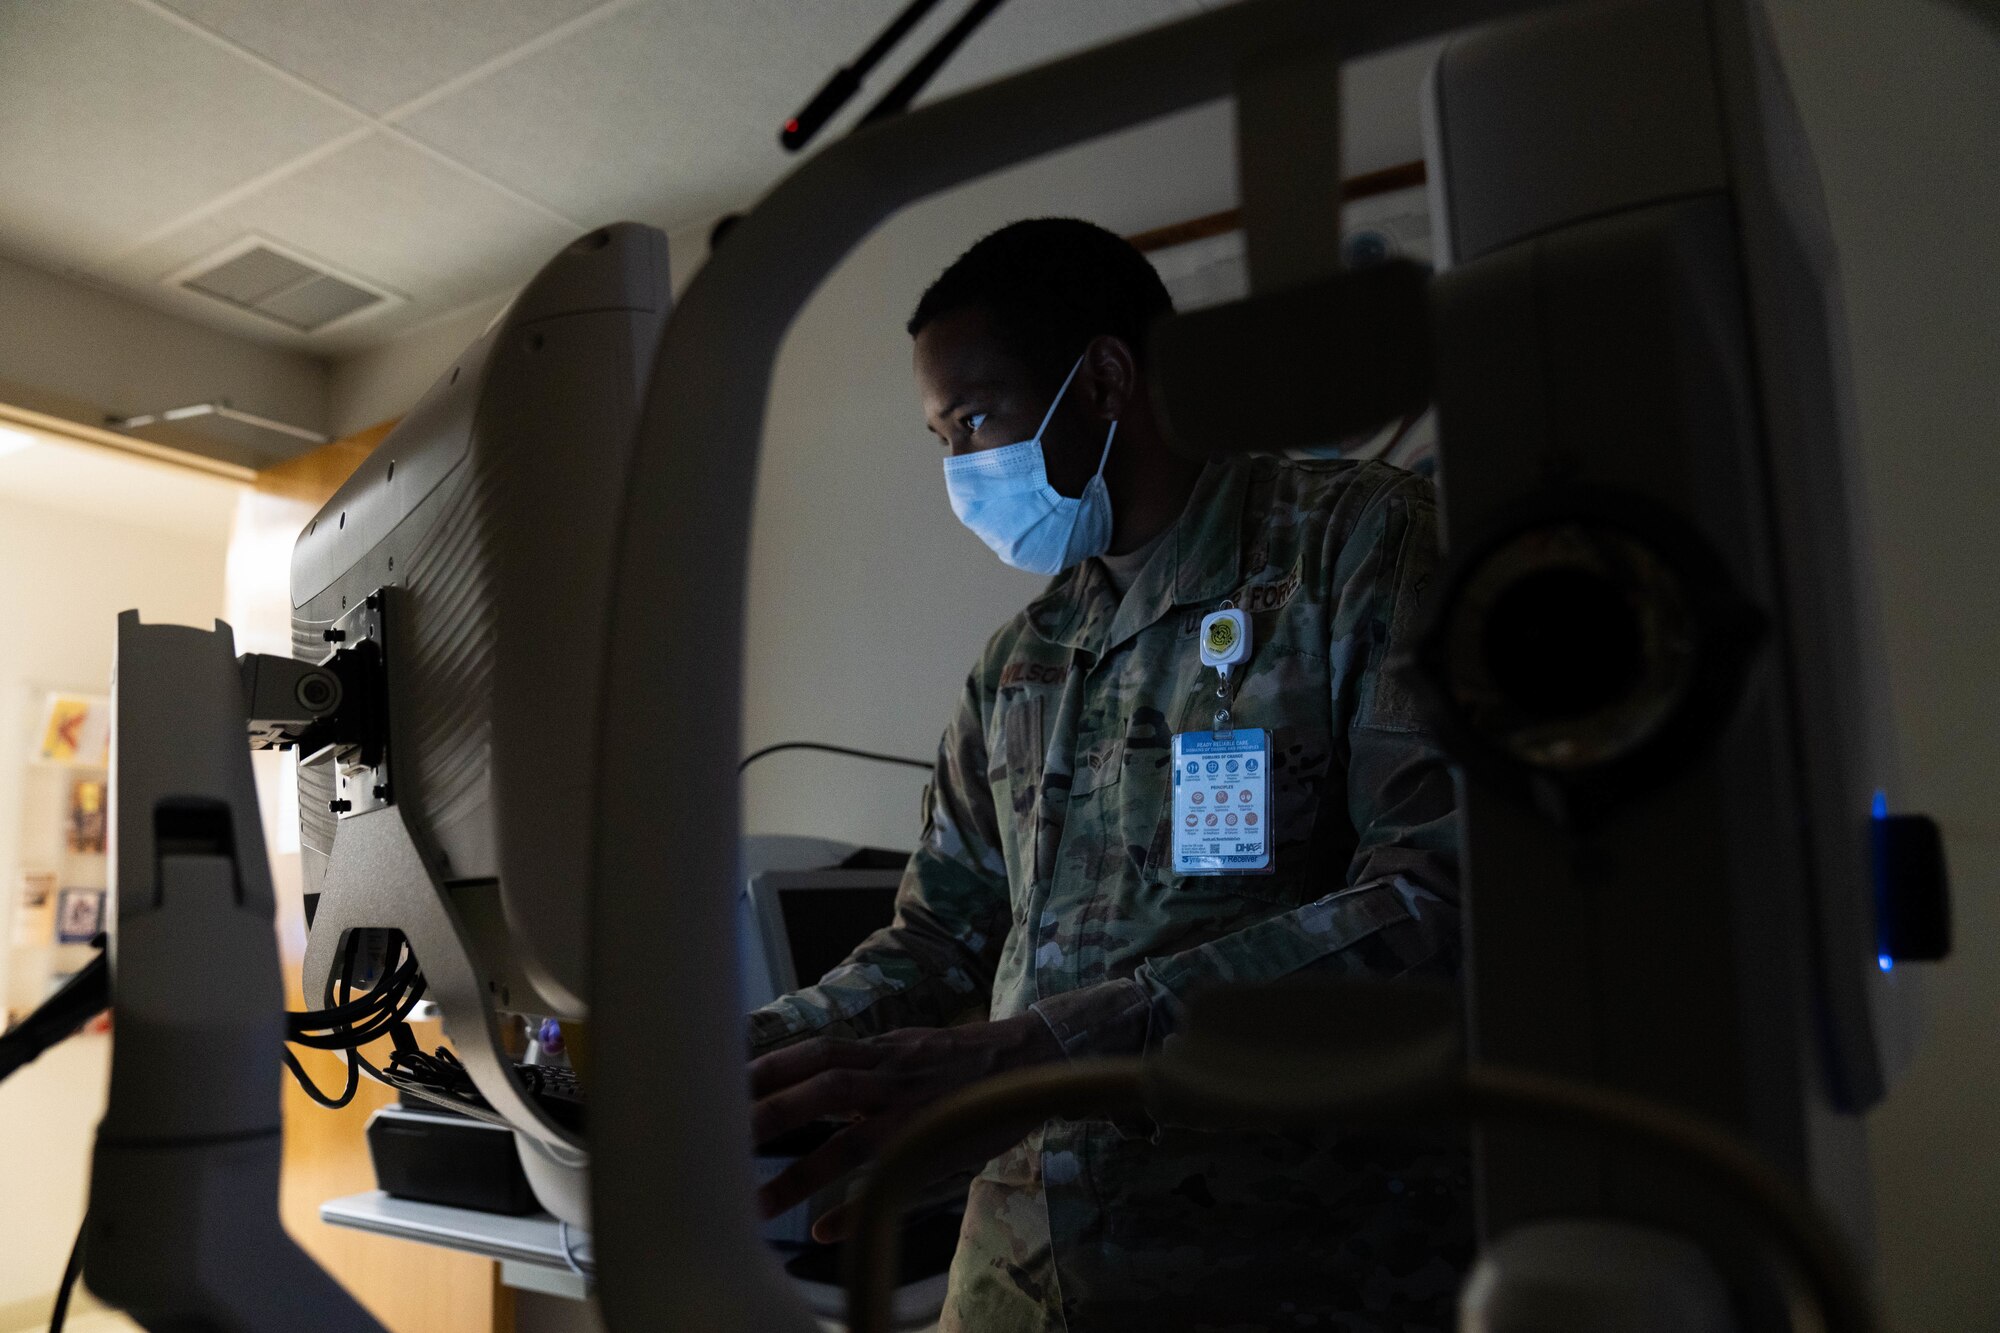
[813, 919]
[458, 584]
[806, 904]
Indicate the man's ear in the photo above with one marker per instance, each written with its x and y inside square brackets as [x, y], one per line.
[1113, 373]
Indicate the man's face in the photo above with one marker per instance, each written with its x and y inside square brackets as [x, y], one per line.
[977, 395]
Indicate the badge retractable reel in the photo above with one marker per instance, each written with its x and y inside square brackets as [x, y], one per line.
[1222, 778]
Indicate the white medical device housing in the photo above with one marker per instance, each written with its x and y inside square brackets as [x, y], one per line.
[1655, 637]
[461, 577]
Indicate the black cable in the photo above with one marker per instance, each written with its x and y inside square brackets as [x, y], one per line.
[381, 1025]
[71, 1271]
[83, 997]
[849, 751]
[362, 1012]
[330, 1028]
[383, 1012]
[389, 1023]
[299, 1074]
[399, 1029]
[346, 1039]
[353, 1023]
[344, 996]
[441, 1071]
[844, 82]
[897, 100]
[324, 1017]
[382, 997]
[437, 1074]
[311, 1089]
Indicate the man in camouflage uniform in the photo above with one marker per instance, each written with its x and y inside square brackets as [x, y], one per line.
[1042, 902]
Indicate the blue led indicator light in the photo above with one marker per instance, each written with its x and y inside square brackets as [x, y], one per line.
[1881, 813]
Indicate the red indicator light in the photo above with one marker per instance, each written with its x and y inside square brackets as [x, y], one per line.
[792, 125]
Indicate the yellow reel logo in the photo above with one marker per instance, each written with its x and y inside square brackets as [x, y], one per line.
[1221, 636]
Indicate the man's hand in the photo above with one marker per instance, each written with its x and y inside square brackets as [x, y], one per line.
[879, 1084]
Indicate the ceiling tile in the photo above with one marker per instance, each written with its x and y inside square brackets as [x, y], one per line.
[385, 212]
[669, 111]
[115, 121]
[664, 112]
[379, 54]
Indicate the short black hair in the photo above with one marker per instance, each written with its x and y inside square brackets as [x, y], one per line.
[1050, 285]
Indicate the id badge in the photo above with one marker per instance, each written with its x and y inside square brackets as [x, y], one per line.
[1222, 802]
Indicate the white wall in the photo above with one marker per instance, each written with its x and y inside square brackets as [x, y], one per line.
[1902, 99]
[64, 577]
[76, 351]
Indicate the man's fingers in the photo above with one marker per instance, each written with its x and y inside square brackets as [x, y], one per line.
[793, 1064]
[836, 1224]
[833, 1092]
[846, 1151]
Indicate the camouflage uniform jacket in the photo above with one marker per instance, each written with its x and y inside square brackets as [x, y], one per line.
[1043, 881]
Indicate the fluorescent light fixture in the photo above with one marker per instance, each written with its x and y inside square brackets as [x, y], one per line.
[21, 427]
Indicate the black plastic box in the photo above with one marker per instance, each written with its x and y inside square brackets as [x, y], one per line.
[433, 1156]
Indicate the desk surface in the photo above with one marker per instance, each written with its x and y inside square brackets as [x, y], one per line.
[537, 1240]
[534, 1239]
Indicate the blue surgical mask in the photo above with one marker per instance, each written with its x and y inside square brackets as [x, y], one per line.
[1003, 495]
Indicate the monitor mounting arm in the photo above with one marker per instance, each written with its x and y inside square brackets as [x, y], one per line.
[183, 1228]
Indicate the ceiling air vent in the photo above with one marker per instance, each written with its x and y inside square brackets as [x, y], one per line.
[257, 278]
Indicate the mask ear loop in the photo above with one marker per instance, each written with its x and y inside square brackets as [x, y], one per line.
[1109, 435]
[1050, 415]
[1105, 457]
